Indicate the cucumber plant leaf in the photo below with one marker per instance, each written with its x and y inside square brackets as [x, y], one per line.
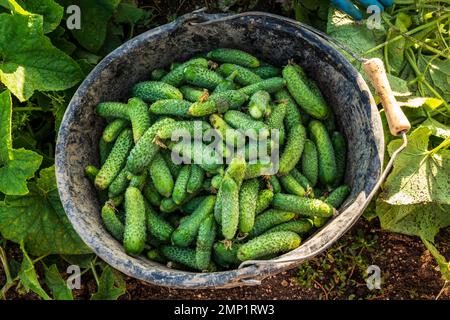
[419, 176]
[111, 285]
[29, 278]
[38, 219]
[49, 9]
[56, 284]
[32, 63]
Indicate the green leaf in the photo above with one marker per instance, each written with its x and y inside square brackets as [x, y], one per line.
[94, 21]
[438, 74]
[49, 9]
[38, 219]
[423, 220]
[82, 260]
[437, 129]
[419, 176]
[32, 63]
[128, 13]
[111, 285]
[5, 127]
[443, 264]
[29, 278]
[15, 173]
[56, 284]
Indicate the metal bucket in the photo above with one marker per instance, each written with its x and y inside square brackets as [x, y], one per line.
[272, 38]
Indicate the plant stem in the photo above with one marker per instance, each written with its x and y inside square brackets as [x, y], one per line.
[94, 273]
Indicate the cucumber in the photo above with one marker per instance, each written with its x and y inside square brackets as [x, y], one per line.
[293, 149]
[230, 207]
[193, 129]
[135, 221]
[176, 76]
[115, 161]
[152, 196]
[292, 186]
[155, 255]
[216, 181]
[227, 133]
[112, 223]
[161, 176]
[184, 256]
[340, 153]
[191, 205]
[327, 160]
[269, 219]
[258, 169]
[275, 121]
[310, 100]
[232, 99]
[158, 74]
[104, 149]
[337, 197]
[179, 190]
[302, 206]
[268, 244]
[267, 71]
[171, 107]
[244, 76]
[146, 148]
[259, 104]
[293, 116]
[174, 168]
[224, 255]
[187, 231]
[119, 184]
[244, 122]
[234, 56]
[264, 200]
[300, 227]
[205, 241]
[113, 129]
[196, 179]
[140, 119]
[157, 226]
[201, 77]
[112, 110]
[91, 172]
[168, 205]
[151, 91]
[194, 94]
[310, 162]
[248, 196]
[227, 83]
[303, 181]
[270, 85]
[236, 170]
[274, 184]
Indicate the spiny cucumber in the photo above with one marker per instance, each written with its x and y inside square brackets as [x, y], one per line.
[244, 122]
[216, 181]
[274, 184]
[258, 169]
[157, 226]
[302, 206]
[337, 197]
[292, 186]
[275, 121]
[236, 170]
[113, 129]
[112, 110]
[174, 168]
[112, 223]
[230, 207]
[293, 115]
[227, 83]
[161, 176]
[231, 136]
[303, 181]
[244, 76]
[248, 196]
[150, 91]
[327, 160]
[300, 227]
[135, 221]
[270, 219]
[191, 205]
[184, 256]
[158, 74]
[104, 149]
[293, 149]
[310, 100]
[179, 190]
[151, 194]
[176, 76]
[119, 184]
[310, 162]
[196, 179]
[259, 104]
[201, 77]
[270, 85]
[91, 172]
[155, 255]
[115, 161]
[340, 153]
[205, 242]
[170, 107]
[264, 200]
[267, 71]
[226, 255]
[194, 94]
[140, 119]
[184, 128]
[268, 244]
[234, 56]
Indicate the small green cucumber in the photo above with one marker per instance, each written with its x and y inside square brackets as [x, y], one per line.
[311, 101]
[119, 184]
[137, 180]
[293, 149]
[274, 184]
[157, 226]
[91, 172]
[155, 255]
[293, 116]
[259, 104]
[205, 241]
[264, 200]
[179, 191]
[112, 110]
[340, 153]
[302, 206]
[135, 221]
[269, 219]
[292, 186]
[270, 85]
[230, 207]
[187, 231]
[157, 74]
[258, 169]
[275, 121]
[190, 206]
[269, 244]
[112, 223]
[248, 196]
[236, 170]
[151, 91]
[300, 227]
[244, 122]
[145, 150]
[310, 162]
[176, 76]
[227, 83]
[216, 181]
[184, 256]
[201, 77]
[113, 129]
[234, 56]
[170, 107]
[330, 123]
[173, 167]
[150, 193]
[303, 181]
[193, 94]
[232, 137]
[226, 255]
[161, 176]
[196, 179]
[268, 71]
[337, 197]
[327, 160]
[104, 149]
[140, 119]
[115, 161]
[320, 221]
[184, 128]
[168, 205]
[244, 76]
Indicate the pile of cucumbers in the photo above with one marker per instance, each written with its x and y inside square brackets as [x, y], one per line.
[210, 216]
